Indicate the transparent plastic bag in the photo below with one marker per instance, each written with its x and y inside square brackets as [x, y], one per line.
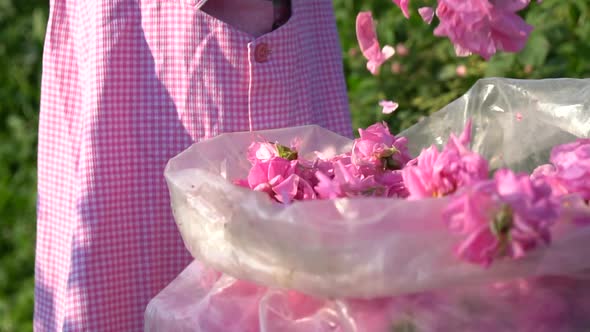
[370, 248]
[201, 300]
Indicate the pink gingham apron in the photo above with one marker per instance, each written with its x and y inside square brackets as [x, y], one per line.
[128, 84]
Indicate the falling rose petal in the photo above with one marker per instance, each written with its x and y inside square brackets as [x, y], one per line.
[387, 51]
[388, 106]
[368, 43]
[427, 13]
[403, 5]
[518, 116]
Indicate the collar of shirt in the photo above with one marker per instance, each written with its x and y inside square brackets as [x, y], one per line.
[282, 11]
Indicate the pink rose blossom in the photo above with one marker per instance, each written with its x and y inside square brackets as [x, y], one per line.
[572, 163]
[419, 175]
[477, 26]
[511, 5]
[482, 26]
[353, 183]
[393, 182]
[265, 174]
[369, 45]
[264, 151]
[347, 182]
[574, 208]
[261, 151]
[327, 188]
[503, 217]
[378, 150]
[569, 179]
[548, 174]
[277, 178]
[436, 174]
[345, 179]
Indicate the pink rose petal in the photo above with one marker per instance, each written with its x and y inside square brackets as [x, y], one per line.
[368, 43]
[427, 14]
[403, 4]
[388, 106]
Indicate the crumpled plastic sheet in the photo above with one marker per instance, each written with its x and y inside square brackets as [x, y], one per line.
[200, 299]
[368, 248]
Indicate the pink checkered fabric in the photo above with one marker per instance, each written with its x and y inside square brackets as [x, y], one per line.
[127, 85]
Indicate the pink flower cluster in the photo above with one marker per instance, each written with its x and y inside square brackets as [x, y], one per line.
[437, 174]
[513, 213]
[478, 26]
[568, 175]
[569, 171]
[277, 171]
[506, 215]
[372, 168]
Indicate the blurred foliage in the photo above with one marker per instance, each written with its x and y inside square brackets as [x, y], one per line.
[425, 80]
[422, 82]
[22, 30]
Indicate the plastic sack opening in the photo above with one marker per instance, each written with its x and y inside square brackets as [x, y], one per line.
[369, 247]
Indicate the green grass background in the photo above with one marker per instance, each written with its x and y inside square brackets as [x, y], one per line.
[425, 81]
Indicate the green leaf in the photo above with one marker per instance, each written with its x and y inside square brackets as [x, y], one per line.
[500, 65]
[285, 152]
[535, 51]
[447, 72]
